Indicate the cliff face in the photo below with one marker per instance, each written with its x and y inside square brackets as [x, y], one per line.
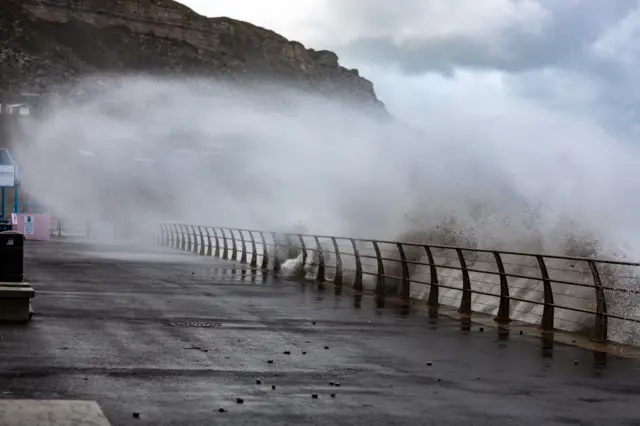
[48, 42]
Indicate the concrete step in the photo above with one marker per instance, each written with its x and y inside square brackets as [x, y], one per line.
[15, 302]
[27, 412]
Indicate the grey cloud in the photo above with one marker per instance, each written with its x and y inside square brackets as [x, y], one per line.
[565, 42]
[606, 89]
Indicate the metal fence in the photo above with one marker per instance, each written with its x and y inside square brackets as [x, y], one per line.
[98, 230]
[557, 292]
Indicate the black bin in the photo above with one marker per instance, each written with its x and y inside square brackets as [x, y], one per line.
[11, 257]
[6, 225]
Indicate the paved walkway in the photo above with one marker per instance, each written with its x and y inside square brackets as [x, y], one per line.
[176, 337]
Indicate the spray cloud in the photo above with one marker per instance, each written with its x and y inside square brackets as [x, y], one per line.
[167, 149]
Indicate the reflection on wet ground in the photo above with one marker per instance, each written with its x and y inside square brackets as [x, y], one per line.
[381, 306]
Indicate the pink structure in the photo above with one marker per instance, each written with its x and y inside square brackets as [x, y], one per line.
[34, 226]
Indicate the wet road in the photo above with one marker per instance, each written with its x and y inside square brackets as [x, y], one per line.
[176, 337]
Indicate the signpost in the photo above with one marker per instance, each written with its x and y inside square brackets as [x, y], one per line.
[9, 178]
[29, 225]
[7, 175]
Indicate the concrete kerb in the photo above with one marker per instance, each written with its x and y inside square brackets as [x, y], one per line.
[15, 302]
[27, 412]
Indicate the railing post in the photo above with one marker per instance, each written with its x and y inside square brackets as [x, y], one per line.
[202, 252]
[176, 237]
[276, 260]
[167, 235]
[216, 254]
[548, 312]
[243, 255]
[601, 329]
[465, 302]
[234, 246]
[194, 240]
[405, 291]
[209, 244]
[304, 254]
[254, 251]
[188, 231]
[503, 309]
[265, 252]
[380, 285]
[185, 235]
[357, 283]
[320, 274]
[225, 245]
[187, 238]
[434, 287]
[337, 279]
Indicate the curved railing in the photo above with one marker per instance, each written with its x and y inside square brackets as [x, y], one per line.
[557, 292]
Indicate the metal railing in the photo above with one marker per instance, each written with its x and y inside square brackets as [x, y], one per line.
[103, 230]
[557, 292]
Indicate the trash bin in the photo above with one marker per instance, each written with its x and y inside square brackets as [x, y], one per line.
[11, 256]
[6, 225]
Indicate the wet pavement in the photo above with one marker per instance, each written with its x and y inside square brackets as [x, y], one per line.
[179, 338]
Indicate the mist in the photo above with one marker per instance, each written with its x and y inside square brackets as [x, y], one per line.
[149, 149]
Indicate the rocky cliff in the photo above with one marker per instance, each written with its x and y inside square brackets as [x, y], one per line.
[47, 42]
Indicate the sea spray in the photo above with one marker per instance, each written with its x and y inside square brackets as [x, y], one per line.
[147, 149]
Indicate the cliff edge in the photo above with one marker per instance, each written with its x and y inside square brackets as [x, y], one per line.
[44, 43]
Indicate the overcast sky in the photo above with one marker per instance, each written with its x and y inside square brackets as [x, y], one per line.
[574, 60]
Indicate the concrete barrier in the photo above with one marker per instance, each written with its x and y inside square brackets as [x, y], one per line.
[51, 412]
[15, 302]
